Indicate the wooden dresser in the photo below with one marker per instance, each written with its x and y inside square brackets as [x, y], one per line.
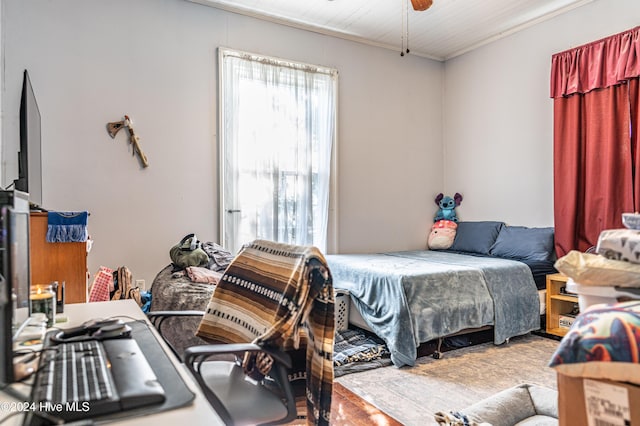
[58, 261]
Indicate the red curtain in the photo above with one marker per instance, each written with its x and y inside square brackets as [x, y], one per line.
[599, 64]
[596, 112]
[592, 166]
[634, 101]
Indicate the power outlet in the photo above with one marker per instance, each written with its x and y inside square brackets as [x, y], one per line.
[141, 284]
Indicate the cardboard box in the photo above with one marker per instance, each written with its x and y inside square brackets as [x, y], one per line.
[592, 402]
[566, 320]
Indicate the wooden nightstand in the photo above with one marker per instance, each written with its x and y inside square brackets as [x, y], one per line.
[558, 303]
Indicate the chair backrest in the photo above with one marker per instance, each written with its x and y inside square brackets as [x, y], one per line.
[280, 296]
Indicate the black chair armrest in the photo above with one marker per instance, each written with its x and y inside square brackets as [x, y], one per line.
[196, 354]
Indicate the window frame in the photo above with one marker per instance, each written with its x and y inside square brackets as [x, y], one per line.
[332, 225]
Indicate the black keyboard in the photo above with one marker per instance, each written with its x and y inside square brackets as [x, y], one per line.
[77, 380]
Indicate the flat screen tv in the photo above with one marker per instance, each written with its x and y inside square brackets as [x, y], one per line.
[30, 154]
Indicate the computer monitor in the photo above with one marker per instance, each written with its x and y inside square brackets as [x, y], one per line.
[15, 273]
[6, 332]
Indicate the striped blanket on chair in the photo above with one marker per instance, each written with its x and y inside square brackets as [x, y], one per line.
[281, 295]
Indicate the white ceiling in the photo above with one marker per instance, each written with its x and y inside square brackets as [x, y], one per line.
[448, 29]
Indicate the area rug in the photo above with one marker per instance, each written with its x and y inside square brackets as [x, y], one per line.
[462, 377]
[355, 350]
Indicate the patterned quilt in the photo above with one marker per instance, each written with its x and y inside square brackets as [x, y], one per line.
[279, 295]
[603, 342]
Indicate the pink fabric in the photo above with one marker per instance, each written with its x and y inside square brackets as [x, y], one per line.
[102, 285]
[203, 275]
[596, 65]
[444, 223]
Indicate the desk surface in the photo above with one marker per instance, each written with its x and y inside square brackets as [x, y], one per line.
[199, 413]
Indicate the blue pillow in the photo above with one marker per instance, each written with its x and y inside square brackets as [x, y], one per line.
[476, 237]
[520, 242]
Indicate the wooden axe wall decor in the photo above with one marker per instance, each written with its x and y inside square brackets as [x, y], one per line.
[114, 127]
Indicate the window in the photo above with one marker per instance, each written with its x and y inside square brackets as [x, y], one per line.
[277, 130]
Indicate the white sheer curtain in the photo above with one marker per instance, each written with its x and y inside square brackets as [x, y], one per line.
[277, 131]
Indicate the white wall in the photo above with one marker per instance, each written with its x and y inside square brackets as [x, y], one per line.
[498, 128]
[92, 61]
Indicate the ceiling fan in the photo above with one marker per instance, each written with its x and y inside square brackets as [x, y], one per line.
[421, 5]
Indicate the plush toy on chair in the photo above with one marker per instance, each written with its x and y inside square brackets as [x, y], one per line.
[447, 207]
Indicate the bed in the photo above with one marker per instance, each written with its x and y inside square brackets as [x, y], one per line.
[185, 289]
[489, 277]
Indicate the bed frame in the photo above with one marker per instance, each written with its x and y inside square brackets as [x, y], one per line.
[347, 314]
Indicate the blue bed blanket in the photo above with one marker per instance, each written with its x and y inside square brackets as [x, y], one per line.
[412, 297]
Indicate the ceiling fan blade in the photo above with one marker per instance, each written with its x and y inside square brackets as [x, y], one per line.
[421, 5]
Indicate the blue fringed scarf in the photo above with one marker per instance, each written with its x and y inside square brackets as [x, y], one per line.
[67, 227]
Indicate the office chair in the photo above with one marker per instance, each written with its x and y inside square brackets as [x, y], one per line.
[224, 383]
[273, 311]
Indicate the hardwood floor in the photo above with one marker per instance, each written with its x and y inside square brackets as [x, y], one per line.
[347, 408]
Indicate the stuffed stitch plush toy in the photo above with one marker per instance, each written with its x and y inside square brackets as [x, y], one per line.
[447, 207]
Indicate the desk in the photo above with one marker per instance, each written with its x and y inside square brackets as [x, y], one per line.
[199, 413]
